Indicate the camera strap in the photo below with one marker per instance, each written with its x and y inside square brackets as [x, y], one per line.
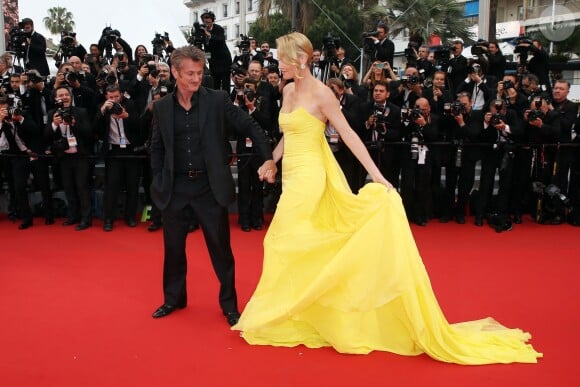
[120, 131]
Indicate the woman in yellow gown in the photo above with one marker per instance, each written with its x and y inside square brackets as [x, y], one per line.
[343, 270]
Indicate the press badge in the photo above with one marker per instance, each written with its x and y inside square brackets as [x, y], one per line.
[422, 155]
[248, 142]
[123, 142]
[72, 141]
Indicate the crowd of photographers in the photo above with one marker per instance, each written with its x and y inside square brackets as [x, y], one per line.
[427, 126]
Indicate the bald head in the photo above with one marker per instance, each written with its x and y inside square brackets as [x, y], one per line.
[76, 62]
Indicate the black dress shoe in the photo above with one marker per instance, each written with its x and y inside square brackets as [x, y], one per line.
[232, 317]
[257, 226]
[444, 219]
[70, 222]
[12, 216]
[460, 218]
[517, 219]
[246, 228]
[24, 225]
[108, 226]
[131, 222]
[166, 309]
[49, 221]
[154, 226]
[83, 226]
[506, 226]
[556, 220]
[478, 221]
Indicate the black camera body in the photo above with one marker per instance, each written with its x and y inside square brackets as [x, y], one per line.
[64, 112]
[244, 44]
[17, 41]
[410, 115]
[108, 76]
[381, 112]
[158, 43]
[412, 80]
[116, 108]
[249, 93]
[330, 44]
[496, 118]
[535, 114]
[197, 36]
[508, 85]
[454, 109]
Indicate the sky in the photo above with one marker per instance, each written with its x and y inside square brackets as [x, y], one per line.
[138, 21]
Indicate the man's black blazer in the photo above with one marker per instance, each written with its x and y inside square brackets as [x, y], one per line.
[217, 114]
[37, 54]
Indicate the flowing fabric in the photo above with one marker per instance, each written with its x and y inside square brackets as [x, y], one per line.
[343, 270]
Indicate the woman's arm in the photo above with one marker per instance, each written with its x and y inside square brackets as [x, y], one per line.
[330, 108]
[279, 150]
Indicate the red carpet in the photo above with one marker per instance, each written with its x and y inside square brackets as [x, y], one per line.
[76, 311]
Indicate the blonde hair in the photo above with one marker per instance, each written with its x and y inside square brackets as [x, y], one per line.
[291, 47]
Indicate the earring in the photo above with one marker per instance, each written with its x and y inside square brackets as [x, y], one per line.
[302, 66]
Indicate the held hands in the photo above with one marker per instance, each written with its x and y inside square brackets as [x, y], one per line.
[268, 171]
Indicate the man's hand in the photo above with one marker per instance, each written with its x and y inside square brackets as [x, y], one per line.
[268, 171]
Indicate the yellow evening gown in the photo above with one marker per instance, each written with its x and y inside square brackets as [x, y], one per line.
[343, 270]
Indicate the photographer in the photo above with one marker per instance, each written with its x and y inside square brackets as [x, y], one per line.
[437, 95]
[541, 126]
[19, 137]
[126, 72]
[35, 48]
[496, 61]
[409, 89]
[538, 65]
[508, 91]
[457, 70]
[111, 40]
[384, 47]
[94, 59]
[118, 127]
[85, 77]
[350, 106]
[501, 128]
[383, 126]
[335, 58]
[349, 76]
[317, 66]
[476, 84]
[69, 47]
[419, 126]
[567, 111]
[220, 60]
[70, 137]
[255, 99]
[459, 161]
[266, 58]
[379, 71]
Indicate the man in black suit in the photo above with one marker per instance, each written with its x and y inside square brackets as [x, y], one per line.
[117, 124]
[35, 49]
[192, 176]
[384, 47]
[221, 59]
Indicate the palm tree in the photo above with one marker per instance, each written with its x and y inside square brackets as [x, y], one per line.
[59, 20]
[305, 15]
[423, 18]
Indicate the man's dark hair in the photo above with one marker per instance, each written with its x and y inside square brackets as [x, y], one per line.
[381, 83]
[191, 52]
[335, 81]
[563, 81]
[113, 88]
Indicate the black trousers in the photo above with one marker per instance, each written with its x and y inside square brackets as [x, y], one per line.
[250, 192]
[76, 175]
[416, 188]
[221, 80]
[119, 173]
[350, 167]
[387, 157]
[7, 176]
[194, 197]
[21, 169]
[502, 162]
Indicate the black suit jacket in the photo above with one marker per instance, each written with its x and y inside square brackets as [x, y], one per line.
[216, 115]
[37, 54]
[221, 59]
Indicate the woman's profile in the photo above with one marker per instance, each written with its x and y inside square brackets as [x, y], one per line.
[343, 270]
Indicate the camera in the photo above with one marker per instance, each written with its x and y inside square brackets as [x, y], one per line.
[238, 68]
[413, 80]
[116, 108]
[34, 77]
[553, 191]
[508, 85]
[158, 43]
[410, 51]
[535, 114]
[454, 109]
[109, 77]
[64, 112]
[381, 112]
[479, 48]
[415, 145]
[249, 93]
[17, 41]
[71, 77]
[111, 35]
[475, 68]
[197, 36]
[330, 44]
[496, 119]
[410, 115]
[243, 44]
[370, 34]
